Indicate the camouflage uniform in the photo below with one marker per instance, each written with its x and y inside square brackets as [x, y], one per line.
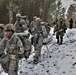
[59, 29]
[12, 47]
[64, 26]
[71, 23]
[31, 26]
[1, 36]
[20, 24]
[47, 26]
[27, 47]
[39, 32]
[1, 31]
[33, 23]
[26, 21]
[26, 43]
[54, 24]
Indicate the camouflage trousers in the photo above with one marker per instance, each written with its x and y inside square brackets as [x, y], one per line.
[13, 67]
[27, 54]
[38, 48]
[5, 63]
[59, 37]
[9, 66]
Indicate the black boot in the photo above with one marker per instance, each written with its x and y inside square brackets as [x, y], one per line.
[57, 41]
[35, 61]
[61, 40]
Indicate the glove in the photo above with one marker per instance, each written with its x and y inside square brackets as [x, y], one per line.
[61, 30]
[13, 56]
[5, 51]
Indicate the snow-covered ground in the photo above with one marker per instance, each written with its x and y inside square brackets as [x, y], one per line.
[55, 59]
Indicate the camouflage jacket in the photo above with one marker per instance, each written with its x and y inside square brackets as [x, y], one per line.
[32, 25]
[27, 22]
[20, 26]
[59, 28]
[39, 30]
[12, 45]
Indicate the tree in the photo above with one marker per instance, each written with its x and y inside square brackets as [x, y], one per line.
[45, 9]
[59, 8]
[63, 12]
[71, 11]
[74, 0]
[3, 12]
[52, 10]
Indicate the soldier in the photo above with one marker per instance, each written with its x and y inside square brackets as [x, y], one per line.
[20, 24]
[33, 23]
[1, 31]
[71, 23]
[59, 29]
[13, 47]
[64, 25]
[55, 25]
[39, 32]
[26, 20]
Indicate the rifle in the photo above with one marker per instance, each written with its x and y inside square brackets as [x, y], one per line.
[39, 33]
[25, 34]
[2, 56]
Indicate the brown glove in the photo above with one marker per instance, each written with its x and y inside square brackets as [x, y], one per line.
[13, 56]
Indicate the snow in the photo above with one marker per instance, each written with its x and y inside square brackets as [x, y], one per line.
[67, 3]
[55, 59]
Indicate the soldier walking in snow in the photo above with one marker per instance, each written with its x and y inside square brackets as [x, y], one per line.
[59, 29]
[13, 48]
[20, 24]
[33, 23]
[39, 32]
[71, 23]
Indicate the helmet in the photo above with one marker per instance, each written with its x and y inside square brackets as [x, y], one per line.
[18, 15]
[34, 17]
[10, 27]
[2, 26]
[38, 19]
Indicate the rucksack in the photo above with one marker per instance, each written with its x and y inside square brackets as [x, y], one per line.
[47, 26]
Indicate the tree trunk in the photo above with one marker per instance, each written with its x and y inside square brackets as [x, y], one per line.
[10, 12]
